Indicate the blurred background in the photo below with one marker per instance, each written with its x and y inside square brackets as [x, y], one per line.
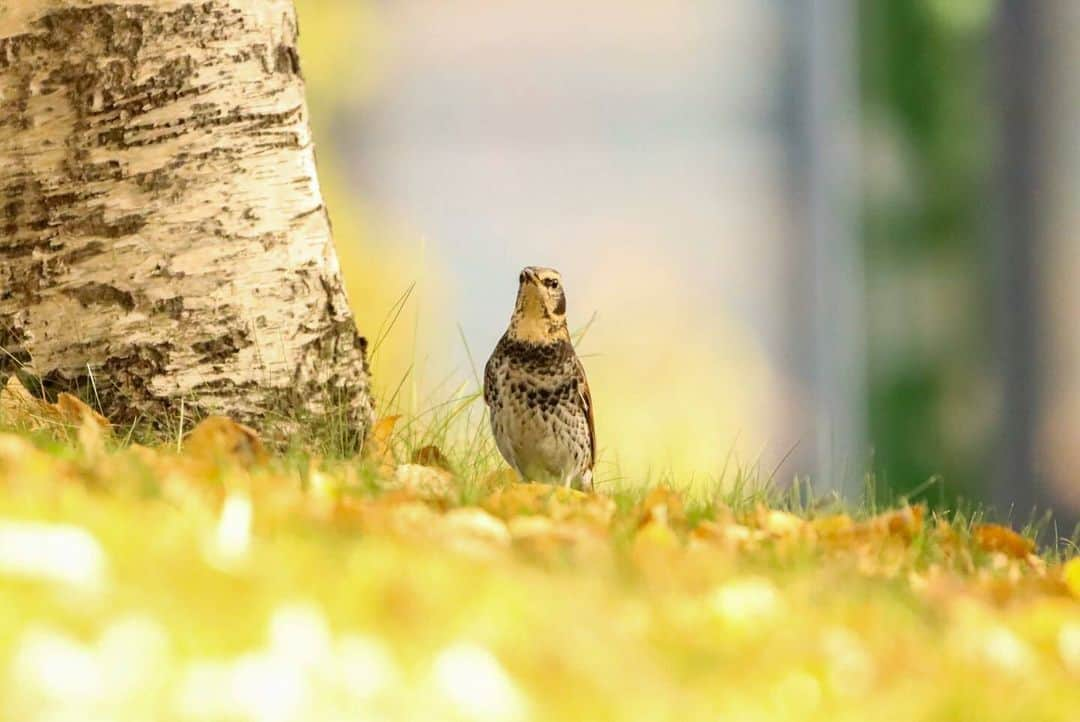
[825, 239]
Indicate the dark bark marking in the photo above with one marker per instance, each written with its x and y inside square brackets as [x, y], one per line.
[101, 294]
[124, 384]
[78, 255]
[96, 225]
[287, 60]
[12, 340]
[171, 307]
[223, 346]
[305, 214]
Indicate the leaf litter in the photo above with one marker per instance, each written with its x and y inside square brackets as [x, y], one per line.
[572, 605]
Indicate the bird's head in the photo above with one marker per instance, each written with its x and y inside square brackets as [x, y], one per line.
[540, 312]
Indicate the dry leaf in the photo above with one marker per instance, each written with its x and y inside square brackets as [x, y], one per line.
[218, 439]
[728, 534]
[411, 520]
[502, 478]
[839, 527]
[1071, 574]
[662, 505]
[779, 523]
[15, 449]
[557, 502]
[424, 482]
[19, 406]
[904, 523]
[997, 538]
[74, 410]
[378, 447]
[542, 538]
[431, 456]
[654, 543]
[91, 437]
[476, 524]
[322, 488]
[541, 529]
[92, 426]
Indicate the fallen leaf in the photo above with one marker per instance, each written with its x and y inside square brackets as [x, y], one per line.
[15, 452]
[18, 406]
[543, 538]
[557, 502]
[74, 410]
[424, 482]
[904, 523]
[409, 520]
[378, 447]
[728, 534]
[654, 543]
[1071, 574]
[839, 527]
[657, 534]
[476, 524]
[502, 478]
[218, 439]
[92, 426]
[779, 523]
[322, 487]
[431, 456]
[997, 538]
[662, 505]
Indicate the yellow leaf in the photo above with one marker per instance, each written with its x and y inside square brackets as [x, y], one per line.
[74, 411]
[322, 486]
[411, 520]
[728, 534]
[378, 447]
[15, 451]
[904, 523]
[431, 456]
[658, 535]
[997, 538]
[91, 437]
[477, 524]
[655, 545]
[424, 482]
[557, 502]
[543, 539]
[18, 406]
[1071, 574]
[219, 439]
[835, 528]
[504, 477]
[92, 426]
[662, 505]
[779, 523]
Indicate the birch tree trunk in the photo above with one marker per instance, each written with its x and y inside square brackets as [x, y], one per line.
[163, 233]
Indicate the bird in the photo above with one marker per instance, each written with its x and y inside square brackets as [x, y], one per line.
[535, 388]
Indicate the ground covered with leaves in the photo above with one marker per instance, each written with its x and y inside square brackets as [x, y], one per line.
[208, 579]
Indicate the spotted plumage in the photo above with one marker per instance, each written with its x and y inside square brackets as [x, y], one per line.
[535, 388]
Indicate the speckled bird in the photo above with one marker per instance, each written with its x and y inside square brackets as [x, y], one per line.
[535, 387]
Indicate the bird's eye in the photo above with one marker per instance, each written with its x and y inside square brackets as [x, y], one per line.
[551, 283]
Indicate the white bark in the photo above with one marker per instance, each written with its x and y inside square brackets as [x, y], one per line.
[160, 217]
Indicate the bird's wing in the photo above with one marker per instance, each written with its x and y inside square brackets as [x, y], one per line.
[585, 398]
